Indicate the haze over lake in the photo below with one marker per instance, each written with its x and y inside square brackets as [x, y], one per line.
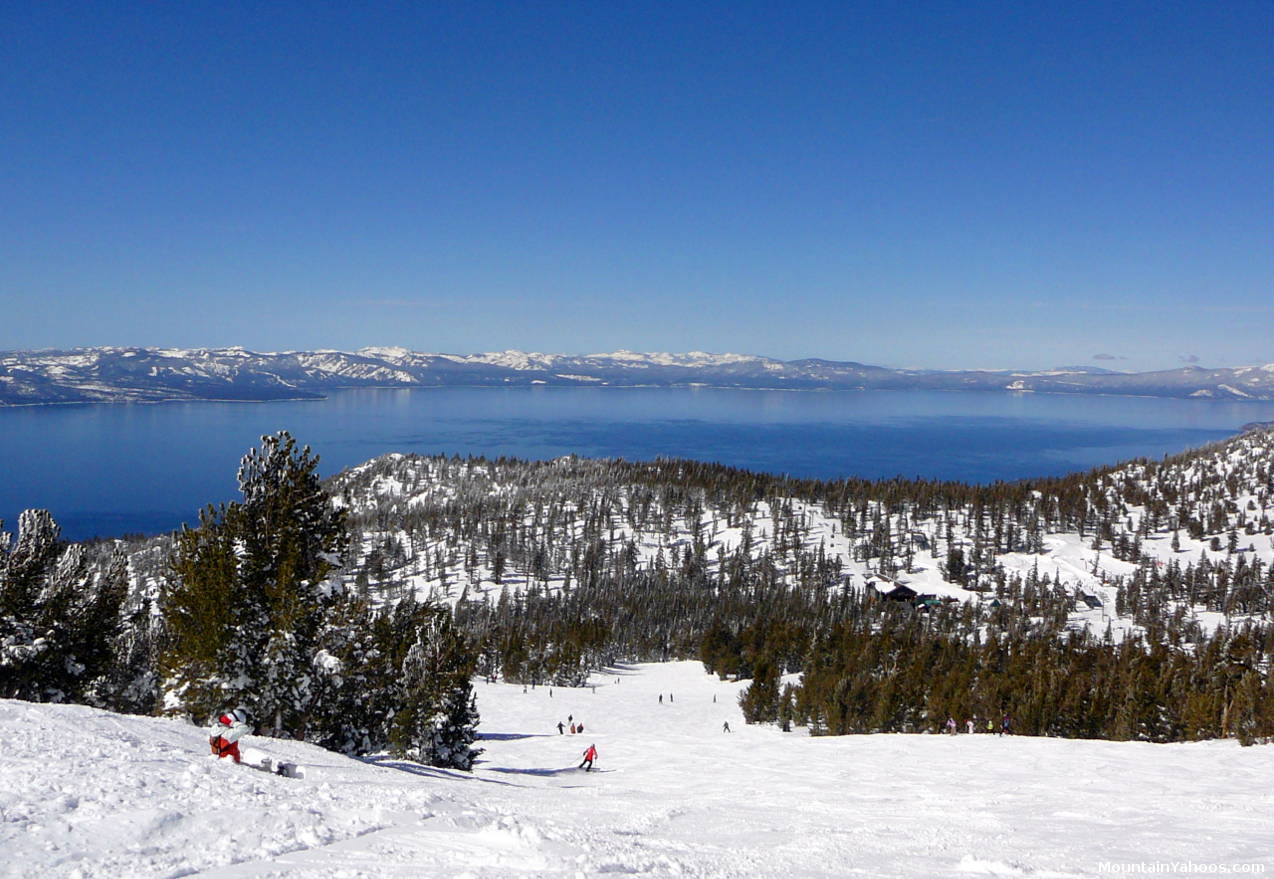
[112, 469]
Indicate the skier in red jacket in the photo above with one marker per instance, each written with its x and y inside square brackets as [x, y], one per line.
[226, 730]
[589, 756]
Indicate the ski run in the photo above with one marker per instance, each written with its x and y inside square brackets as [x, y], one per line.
[87, 793]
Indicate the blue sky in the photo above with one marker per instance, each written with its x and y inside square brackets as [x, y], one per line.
[925, 184]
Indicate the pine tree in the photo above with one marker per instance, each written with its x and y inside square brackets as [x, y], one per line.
[438, 718]
[290, 535]
[350, 702]
[59, 617]
[249, 592]
[760, 701]
[207, 663]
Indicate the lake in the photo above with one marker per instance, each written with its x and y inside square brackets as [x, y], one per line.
[111, 469]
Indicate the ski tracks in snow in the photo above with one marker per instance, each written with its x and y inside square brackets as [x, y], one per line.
[86, 794]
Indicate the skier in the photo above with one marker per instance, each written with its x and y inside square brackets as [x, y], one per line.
[661, 698]
[579, 727]
[226, 730]
[725, 727]
[1006, 726]
[951, 725]
[589, 756]
[968, 725]
[572, 729]
[561, 728]
[990, 725]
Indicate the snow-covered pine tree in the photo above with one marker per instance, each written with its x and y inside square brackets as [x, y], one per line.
[349, 698]
[131, 683]
[438, 719]
[26, 565]
[289, 533]
[58, 618]
[249, 592]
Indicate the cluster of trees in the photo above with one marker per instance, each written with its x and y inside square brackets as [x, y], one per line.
[452, 522]
[396, 678]
[561, 552]
[246, 613]
[887, 669]
[63, 621]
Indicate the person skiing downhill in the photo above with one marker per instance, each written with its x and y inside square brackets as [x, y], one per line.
[225, 732]
[589, 756]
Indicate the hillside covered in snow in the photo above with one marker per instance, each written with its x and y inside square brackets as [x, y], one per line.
[86, 793]
[904, 602]
[157, 374]
[1117, 546]
[726, 638]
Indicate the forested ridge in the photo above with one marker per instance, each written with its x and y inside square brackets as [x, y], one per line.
[1127, 602]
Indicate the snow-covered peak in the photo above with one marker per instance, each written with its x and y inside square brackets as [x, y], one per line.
[513, 359]
[663, 358]
[392, 352]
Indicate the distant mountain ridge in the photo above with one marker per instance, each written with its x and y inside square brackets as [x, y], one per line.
[160, 374]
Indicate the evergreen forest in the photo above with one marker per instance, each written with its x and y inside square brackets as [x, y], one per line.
[1130, 602]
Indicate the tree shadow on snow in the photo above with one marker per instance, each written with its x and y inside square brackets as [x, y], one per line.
[566, 770]
[509, 736]
[433, 772]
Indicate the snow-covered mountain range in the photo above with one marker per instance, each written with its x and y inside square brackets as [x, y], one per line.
[159, 374]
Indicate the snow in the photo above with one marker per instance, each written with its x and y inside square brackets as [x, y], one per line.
[1233, 390]
[664, 358]
[88, 793]
[1068, 559]
[514, 359]
[389, 352]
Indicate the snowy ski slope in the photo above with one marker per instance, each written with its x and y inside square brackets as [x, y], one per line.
[85, 793]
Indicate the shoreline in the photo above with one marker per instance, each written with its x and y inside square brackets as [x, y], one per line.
[768, 474]
[689, 386]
